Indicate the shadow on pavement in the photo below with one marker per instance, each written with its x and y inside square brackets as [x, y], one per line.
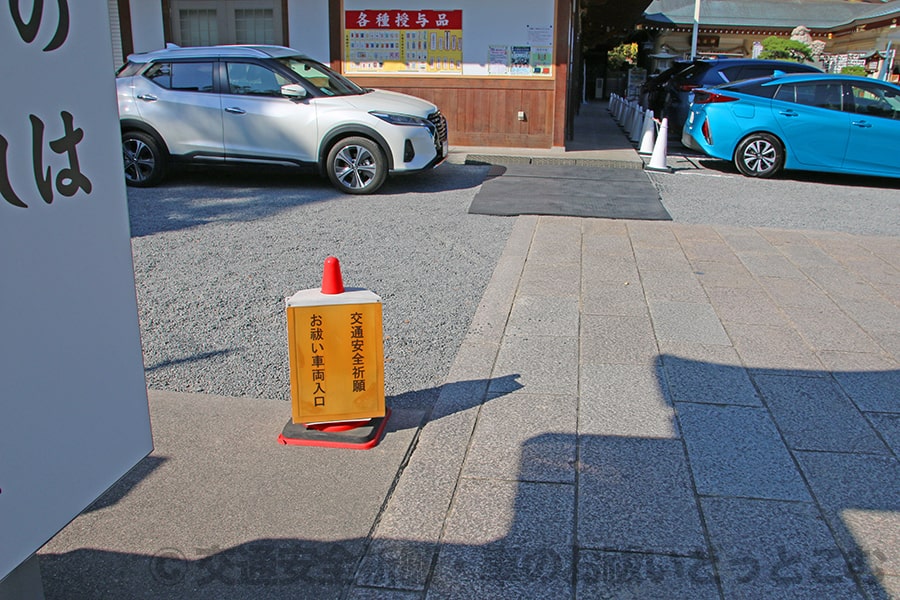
[190, 198]
[857, 181]
[772, 484]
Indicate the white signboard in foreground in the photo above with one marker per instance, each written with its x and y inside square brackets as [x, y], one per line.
[73, 402]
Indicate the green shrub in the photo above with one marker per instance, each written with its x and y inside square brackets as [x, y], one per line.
[854, 70]
[780, 48]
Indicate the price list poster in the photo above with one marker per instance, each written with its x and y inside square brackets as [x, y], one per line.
[403, 41]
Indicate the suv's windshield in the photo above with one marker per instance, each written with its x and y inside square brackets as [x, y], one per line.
[321, 77]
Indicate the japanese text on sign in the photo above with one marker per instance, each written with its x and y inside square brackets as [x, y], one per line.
[28, 30]
[403, 19]
[317, 360]
[69, 312]
[69, 179]
[337, 370]
[403, 41]
[357, 345]
[317, 356]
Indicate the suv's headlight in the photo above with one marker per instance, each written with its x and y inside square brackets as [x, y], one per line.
[396, 119]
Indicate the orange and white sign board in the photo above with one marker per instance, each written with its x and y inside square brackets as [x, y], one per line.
[336, 356]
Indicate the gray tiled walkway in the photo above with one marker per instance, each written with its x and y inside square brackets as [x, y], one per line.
[669, 411]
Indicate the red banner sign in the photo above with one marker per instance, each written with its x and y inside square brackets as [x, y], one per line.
[403, 19]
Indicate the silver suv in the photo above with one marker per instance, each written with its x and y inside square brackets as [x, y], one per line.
[268, 105]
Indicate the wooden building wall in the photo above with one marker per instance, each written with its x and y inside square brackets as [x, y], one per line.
[483, 110]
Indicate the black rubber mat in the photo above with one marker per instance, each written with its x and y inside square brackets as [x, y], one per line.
[575, 191]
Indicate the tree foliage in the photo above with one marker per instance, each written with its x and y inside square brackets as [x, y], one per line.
[780, 48]
[622, 57]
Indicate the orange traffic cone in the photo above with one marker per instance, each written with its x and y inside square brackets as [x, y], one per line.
[332, 282]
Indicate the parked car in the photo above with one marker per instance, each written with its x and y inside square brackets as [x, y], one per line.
[653, 91]
[711, 72]
[832, 123]
[269, 105]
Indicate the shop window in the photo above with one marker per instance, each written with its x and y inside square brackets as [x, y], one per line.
[198, 27]
[254, 26]
[210, 22]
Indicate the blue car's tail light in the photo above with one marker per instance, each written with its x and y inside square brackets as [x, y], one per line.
[705, 97]
[707, 134]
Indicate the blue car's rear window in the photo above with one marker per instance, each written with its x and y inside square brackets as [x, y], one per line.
[754, 87]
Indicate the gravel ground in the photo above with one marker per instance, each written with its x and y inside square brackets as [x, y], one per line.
[216, 255]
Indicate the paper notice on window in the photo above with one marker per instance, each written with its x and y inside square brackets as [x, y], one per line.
[520, 60]
[541, 60]
[498, 60]
[540, 36]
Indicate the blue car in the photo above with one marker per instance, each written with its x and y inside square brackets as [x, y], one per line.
[833, 123]
[702, 73]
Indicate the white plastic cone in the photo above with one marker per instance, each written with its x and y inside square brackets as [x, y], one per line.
[629, 118]
[658, 158]
[620, 110]
[612, 103]
[648, 134]
[637, 124]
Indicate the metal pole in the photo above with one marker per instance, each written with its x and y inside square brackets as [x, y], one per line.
[890, 71]
[886, 64]
[696, 29]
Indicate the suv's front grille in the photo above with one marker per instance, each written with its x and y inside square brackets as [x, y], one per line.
[440, 127]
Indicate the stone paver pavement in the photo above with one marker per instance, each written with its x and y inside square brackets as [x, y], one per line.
[668, 411]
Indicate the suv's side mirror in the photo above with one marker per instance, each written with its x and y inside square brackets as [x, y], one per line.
[294, 91]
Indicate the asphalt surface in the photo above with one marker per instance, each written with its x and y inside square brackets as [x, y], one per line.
[707, 191]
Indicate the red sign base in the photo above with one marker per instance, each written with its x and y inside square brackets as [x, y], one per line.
[354, 435]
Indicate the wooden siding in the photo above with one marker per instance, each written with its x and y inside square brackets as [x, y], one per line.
[484, 111]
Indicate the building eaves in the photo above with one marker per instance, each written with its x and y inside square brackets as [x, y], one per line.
[820, 14]
[880, 11]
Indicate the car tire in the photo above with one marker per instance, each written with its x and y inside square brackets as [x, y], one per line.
[759, 155]
[356, 165]
[145, 163]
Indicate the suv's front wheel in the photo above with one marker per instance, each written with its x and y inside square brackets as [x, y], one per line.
[356, 165]
[144, 161]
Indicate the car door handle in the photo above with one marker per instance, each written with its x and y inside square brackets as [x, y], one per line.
[235, 110]
[862, 124]
[147, 97]
[789, 113]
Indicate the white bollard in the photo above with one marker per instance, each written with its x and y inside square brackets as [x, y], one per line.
[629, 117]
[637, 124]
[648, 134]
[658, 158]
[626, 111]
